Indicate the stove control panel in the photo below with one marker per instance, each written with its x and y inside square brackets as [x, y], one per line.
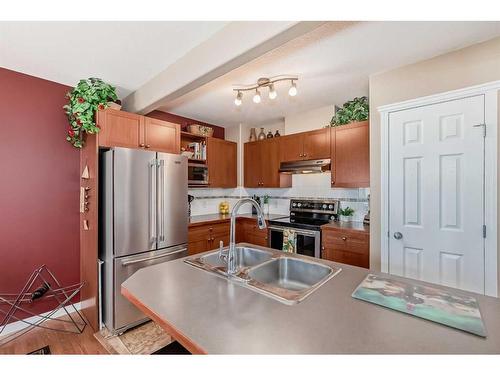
[323, 206]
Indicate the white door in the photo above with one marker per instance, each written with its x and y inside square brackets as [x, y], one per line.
[436, 182]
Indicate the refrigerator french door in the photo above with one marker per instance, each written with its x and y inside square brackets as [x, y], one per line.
[143, 222]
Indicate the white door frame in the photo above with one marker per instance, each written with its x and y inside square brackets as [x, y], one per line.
[490, 91]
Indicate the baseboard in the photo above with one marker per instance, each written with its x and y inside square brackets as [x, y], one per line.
[17, 326]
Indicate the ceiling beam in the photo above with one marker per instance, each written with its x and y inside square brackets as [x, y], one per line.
[236, 44]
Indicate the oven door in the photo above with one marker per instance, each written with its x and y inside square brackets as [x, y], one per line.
[308, 241]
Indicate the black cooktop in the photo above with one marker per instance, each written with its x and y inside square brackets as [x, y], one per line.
[301, 223]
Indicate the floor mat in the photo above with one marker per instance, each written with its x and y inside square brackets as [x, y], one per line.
[44, 350]
[144, 339]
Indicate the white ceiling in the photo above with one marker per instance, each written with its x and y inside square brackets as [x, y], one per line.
[333, 63]
[126, 54]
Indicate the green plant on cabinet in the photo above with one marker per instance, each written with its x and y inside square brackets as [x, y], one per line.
[85, 99]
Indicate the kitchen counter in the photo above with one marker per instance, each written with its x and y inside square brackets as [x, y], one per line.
[219, 218]
[209, 314]
[347, 226]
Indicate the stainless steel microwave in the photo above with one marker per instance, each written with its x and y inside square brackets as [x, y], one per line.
[197, 174]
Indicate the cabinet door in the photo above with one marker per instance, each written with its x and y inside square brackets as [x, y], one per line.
[292, 147]
[252, 164]
[198, 239]
[317, 144]
[222, 163]
[270, 163]
[350, 149]
[198, 246]
[120, 129]
[162, 136]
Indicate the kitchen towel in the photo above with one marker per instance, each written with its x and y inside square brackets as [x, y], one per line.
[289, 241]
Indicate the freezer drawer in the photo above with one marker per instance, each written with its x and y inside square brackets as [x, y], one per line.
[125, 314]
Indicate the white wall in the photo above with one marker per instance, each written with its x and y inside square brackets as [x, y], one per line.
[314, 119]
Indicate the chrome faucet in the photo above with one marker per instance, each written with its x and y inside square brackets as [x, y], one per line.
[230, 258]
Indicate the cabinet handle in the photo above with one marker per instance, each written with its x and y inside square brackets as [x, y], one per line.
[141, 145]
[304, 155]
[148, 146]
[322, 248]
[344, 238]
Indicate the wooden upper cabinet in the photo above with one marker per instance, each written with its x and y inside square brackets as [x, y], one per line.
[162, 136]
[222, 163]
[350, 150]
[262, 163]
[316, 144]
[270, 163]
[124, 129]
[120, 129]
[310, 145]
[292, 147]
[252, 162]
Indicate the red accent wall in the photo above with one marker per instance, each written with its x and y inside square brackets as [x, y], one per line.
[184, 122]
[39, 184]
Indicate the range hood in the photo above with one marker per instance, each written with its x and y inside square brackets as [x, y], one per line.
[305, 166]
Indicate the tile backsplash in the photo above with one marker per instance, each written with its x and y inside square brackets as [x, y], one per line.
[314, 186]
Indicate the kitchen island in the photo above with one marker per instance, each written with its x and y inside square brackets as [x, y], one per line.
[209, 314]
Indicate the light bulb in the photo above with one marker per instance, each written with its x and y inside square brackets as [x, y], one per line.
[256, 97]
[238, 101]
[293, 89]
[272, 92]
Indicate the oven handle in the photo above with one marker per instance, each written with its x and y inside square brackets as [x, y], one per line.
[298, 231]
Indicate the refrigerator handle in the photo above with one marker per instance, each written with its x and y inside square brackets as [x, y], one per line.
[161, 214]
[152, 201]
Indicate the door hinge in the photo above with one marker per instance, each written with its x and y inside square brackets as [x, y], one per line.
[484, 128]
[484, 231]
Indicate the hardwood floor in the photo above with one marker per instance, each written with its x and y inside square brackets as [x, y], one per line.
[59, 342]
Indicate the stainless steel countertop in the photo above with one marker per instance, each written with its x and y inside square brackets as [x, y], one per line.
[224, 318]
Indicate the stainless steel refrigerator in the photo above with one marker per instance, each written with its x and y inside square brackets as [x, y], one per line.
[143, 221]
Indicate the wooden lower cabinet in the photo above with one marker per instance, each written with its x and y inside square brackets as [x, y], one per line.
[207, 237]
[346, 246]
[248, 231]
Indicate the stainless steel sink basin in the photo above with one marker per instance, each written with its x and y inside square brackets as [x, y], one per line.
[245, 257]
[289, 279]
[286, 278]
[290, 273]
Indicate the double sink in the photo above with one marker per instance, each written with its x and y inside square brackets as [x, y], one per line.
[286, 278]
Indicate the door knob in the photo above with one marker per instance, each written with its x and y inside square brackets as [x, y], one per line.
[398, 235]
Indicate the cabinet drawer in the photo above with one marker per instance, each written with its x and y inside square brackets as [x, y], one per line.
[353, 242]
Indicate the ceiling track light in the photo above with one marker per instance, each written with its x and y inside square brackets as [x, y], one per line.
[272, 92]
[257, 97]
[266, 83]
[238, 99]
[293, 89]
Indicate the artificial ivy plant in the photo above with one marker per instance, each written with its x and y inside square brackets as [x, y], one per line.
[84, 100]
[354, 110]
